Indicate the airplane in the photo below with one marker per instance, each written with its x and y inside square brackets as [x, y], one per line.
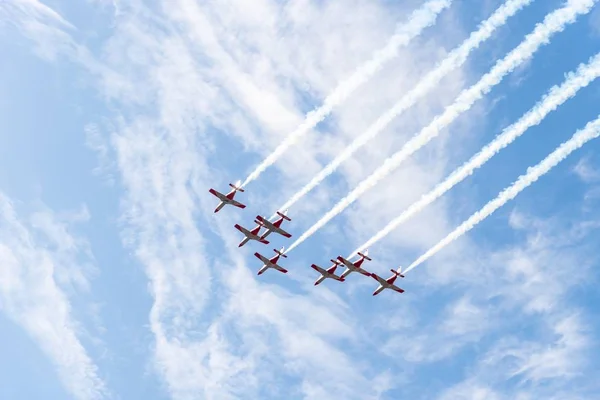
[272, 262]
[329, 273]
[274, 226]
[251, 234]
[228, 198]
[389, 282]
[355, 266]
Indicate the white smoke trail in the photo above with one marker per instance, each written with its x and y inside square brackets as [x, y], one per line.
[584, 75]
[553, 23]
[418, 21]
[455, 59]
[591, 131]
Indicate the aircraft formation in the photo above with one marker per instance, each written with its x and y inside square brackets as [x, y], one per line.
[554, 22]
[273, 262]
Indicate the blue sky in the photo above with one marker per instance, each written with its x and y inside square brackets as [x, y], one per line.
[119, 282]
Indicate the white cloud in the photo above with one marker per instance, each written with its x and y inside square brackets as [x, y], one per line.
[543, 368]
[194, 86]
[201, 77]
[544, 340]
[37, 260]
[586, 171]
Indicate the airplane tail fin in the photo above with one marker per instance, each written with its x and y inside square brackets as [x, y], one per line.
[280, 252]
[237, 186]
[364, 255]
[336, 262]
[282, 215]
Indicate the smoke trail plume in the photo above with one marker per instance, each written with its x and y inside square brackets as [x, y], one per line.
[591, 131]
[584, 75]
[418, 21]
[553, 23]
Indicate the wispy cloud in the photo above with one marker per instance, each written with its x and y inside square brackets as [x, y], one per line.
[553, 23]
[188, 83]
[255, 332]
[543, 367]
[586, 171]
[32, 10]
[39, 259]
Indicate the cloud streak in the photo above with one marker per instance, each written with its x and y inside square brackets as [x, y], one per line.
[584, 75]
[454, 60]
[553, 23]
[418, 21]
[31, 296]
[589, 132]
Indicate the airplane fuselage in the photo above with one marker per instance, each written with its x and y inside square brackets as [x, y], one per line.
[268, 265]
[386, 284]
[227, 198]
[222, 204]
[249, 235]
[276, 224]
[356, 268]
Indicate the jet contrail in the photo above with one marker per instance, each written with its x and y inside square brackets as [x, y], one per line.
[557, 95]
[591, 131]
[553, 23]
[418, 21]
[455, 59]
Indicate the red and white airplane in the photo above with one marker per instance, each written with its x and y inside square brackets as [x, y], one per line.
[355, 266]
[389, 282]
[228, 198]
[272, 262]
[328, 273]
[274, 226]
[251, 234]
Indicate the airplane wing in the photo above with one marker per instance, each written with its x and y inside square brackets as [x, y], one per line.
[268, 262]
[353, 267]
[249, 234]
[347, 263]
[283, 233]
[236, 203]
[396, 288]
[320, 270]
[379, 279]
[278, 268]
[262, 258]
[337, 278]
[269, 225]
[226, 199]
[221, 196]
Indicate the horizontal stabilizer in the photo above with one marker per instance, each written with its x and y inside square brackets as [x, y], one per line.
[280, 252]
[397, 273]
[284, 216]
[237, 188]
